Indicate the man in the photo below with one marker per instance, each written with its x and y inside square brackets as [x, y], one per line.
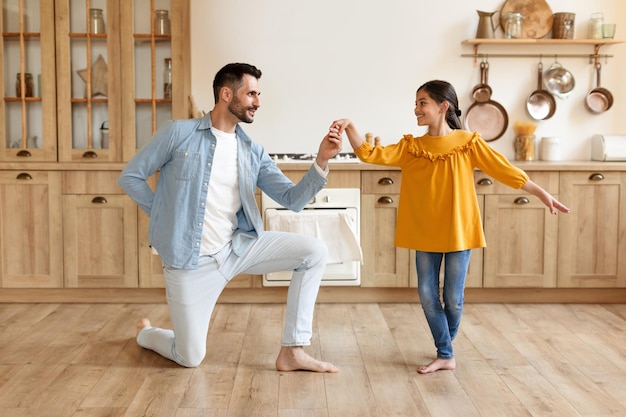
[206, 226]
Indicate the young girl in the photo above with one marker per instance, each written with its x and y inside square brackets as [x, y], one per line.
[438, 214]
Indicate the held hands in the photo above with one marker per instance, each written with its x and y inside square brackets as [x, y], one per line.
[329, 148]
[346, 125]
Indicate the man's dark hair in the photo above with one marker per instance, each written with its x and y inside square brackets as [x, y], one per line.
[231, 76]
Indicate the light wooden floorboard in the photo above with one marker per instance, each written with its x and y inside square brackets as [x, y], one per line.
[513, 360]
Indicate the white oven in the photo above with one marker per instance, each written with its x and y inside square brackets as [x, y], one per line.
[333, 216]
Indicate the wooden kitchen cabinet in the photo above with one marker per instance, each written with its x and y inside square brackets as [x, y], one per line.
[384, 264]
[27, 65]
[31, 250]
[99, 232]
[107, 110]
[592, 238]
[521, 234]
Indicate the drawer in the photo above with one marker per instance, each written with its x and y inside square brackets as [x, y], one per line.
[91, 182]
[380, 182]
[548, 180]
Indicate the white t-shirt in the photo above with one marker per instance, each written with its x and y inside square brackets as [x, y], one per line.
[223, 200]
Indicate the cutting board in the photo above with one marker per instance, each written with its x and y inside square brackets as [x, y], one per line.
[538, 16]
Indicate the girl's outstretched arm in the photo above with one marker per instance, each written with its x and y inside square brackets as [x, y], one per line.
[546, 198]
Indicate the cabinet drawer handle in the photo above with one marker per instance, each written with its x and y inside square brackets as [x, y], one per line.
[485, 181]
[596, 177]
[99, 200]
[24, 176]
[90, 154]
[385, 181]
[24, 153]
[385, 200]
[521, 200]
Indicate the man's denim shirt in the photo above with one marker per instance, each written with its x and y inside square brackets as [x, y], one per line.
[183, 151]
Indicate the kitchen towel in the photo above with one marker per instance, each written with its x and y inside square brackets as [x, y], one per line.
[338, 229]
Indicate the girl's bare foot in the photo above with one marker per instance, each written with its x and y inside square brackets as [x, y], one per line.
[294, 358]
[436, 365]
[142, 323]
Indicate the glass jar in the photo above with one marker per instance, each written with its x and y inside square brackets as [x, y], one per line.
[595, 26]
[513, 25]
[28, 85]
[161, 22]
[96, 22]
[525, 147]
[167, 79]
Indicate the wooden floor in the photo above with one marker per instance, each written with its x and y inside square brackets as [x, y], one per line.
[541, 360]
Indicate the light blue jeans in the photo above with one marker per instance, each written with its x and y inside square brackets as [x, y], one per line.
[192, 294]
[443, 320]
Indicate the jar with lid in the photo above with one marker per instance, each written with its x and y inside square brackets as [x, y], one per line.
[595, 25]
[96, 22]
[28, 85]
[550, 149]
[161, 22]
[167, 79]
[513, 25]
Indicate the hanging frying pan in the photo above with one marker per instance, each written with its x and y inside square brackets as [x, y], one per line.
[541, 105]
[482, 91]
[487, 117]
[599, 99]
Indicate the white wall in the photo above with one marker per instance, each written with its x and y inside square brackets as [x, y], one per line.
[364, 59]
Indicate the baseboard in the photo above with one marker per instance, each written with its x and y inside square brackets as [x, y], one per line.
[326, 295]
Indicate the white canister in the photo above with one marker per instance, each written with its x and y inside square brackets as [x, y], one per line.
[550, 149]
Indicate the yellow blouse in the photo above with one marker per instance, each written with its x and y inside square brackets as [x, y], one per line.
[438, 209]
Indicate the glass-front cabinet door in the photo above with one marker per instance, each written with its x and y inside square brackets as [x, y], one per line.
[88, 82]
[27, 64]
[155, 50]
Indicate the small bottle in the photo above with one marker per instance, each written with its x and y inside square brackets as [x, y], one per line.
[96, 22]
[595, 26]
[28, 85]
[161, 22]
[167, 79]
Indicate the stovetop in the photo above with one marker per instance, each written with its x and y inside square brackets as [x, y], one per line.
[347, 157]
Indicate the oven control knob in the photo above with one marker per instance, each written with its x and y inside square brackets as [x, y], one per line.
[327, 199]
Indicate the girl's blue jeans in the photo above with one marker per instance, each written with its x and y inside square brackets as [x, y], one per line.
[443, 316]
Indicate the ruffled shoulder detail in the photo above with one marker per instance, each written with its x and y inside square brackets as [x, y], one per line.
[416, 150]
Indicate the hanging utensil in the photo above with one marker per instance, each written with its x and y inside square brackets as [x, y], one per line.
[540, 105]
[487, 117]
[599, 99]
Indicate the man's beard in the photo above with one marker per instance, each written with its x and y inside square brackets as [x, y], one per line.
[240, 111]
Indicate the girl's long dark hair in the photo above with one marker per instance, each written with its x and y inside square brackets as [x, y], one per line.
[441, 91]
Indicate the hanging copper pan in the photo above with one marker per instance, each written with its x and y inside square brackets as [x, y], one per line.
[482, 91]
[599, 99]
[487, 117]
[540, 105]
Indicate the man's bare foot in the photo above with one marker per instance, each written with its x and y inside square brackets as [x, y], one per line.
[294, 358]
[141, 324]
[436, 365]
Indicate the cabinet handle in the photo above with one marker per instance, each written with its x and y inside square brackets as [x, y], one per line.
[485, 181]
[596, 177]
[385, 181]
[90, 154]
[24, 176]
[24, 153]
[99, 200]
[521, 200]
[385, 200]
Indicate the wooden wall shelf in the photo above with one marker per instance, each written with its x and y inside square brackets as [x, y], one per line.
[593, 57]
